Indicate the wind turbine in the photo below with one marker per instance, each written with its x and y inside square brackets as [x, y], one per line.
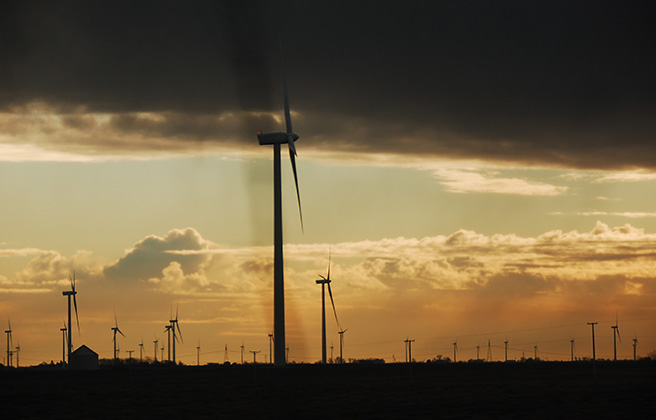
[116, 330]
[17, 354]
[277, 139]
[571, 344]
[10, 343]
[155, 341]
[70, 293]
[594, 352]
[455, 351]
[535, 356]
[323, 281]
[341, 344]
[63, 330]
[635, 344]
[141, 351]
[198, 354]
[616, 335]
[174, 325]
[505, 348]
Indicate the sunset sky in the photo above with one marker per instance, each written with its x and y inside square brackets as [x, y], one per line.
[477, 170]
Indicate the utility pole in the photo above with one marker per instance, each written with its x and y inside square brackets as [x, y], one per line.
[594, 354]
[225, 355]
[129, 352]
[489, 351]
[478, 352]
[535, 355]
[255, 352]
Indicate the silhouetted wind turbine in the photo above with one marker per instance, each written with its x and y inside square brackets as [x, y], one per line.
[63, 330]
[505, 348]
[242, 352]
[70, 293]
[10, 343]
[341, 344]
[616, 335]
[535, 348]
[17, 355]
[455, 351]
[175, 325]
[635, 344]
[116, 330]
[571, 345]
[155, 345]
[141, 351]
[198, 354]
[323, 281]
[277, 139]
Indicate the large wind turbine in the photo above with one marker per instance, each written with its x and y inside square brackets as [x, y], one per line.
[116, 330]
[70, 293]
[323, 281]
[276, 139]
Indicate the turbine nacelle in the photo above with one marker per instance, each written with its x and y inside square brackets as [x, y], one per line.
[278, 138]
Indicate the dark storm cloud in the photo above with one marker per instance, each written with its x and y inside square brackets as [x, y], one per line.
[566, 83]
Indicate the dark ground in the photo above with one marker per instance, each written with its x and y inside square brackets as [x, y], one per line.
[429, 391]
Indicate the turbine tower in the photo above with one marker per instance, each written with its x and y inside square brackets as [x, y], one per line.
[594, 354]
[141, 351]
[616, 335]
[455, 351]
[277, 139]
[116, 330]
[505, 347]
[155, 345]
[167, 330]
[323, 281]
[70, 293]
[198, 354]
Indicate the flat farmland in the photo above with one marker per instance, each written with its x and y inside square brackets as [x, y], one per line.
[387, 391]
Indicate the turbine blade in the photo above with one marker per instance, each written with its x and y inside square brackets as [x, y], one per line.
[179, 332]
[288, 118]
[292, 158]
[120, 332]
[330, 292]
[329, 252]
[77, 317]
[618, 334]
[176, 312]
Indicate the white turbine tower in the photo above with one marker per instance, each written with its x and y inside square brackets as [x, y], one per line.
[116, 330]
[277, 139]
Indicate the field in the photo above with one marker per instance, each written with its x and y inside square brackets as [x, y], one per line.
[445, 390]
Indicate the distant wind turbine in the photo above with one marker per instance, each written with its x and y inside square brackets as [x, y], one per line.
[571, 345]
[167, 330]
[155, 345]
[277, 139]
[635, 344]
[116, 330]
[198, 354]
[505, 348]
[594, 352]
[175, 325]
[341, 345]
[616, 335]
[17, 355]
[63, 330]
[455, 351]
[141, 351]
[10, 343]
[70, 293]
[323, 281]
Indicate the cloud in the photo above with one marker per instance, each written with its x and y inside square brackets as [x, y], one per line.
[628, 214]
[466, 181]
[150, 257]
[543, 84]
